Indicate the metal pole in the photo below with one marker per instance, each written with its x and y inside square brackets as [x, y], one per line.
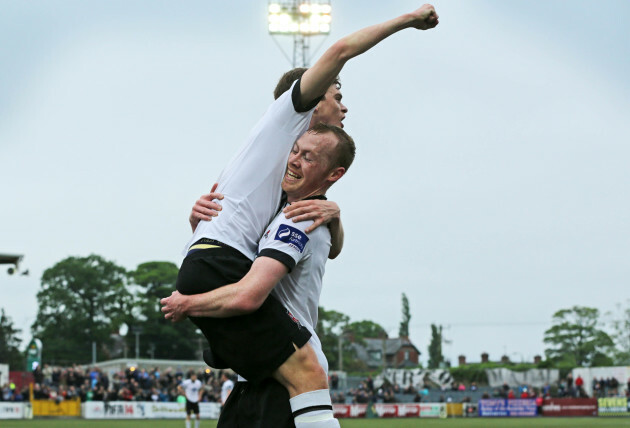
[93, 352]
[137, 333]
[340, 352]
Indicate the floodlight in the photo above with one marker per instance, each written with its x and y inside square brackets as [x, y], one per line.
[300, 19]
[291, 15]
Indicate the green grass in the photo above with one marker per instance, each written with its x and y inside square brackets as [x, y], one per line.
[345, 423]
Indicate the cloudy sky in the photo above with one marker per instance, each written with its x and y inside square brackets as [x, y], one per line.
[491, 183]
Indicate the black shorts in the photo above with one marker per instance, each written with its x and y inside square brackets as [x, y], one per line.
[253, 345]
[192, 407]
[261, 405]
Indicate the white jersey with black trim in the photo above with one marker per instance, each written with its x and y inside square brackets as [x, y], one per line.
[305, 256]
[226, 389]
[191, 389]
[251, 183]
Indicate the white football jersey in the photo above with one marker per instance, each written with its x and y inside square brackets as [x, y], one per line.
[251, 183]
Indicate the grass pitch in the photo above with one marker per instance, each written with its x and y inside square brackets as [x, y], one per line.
[603, 422]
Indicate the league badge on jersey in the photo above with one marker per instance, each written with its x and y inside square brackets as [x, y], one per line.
[293, 237]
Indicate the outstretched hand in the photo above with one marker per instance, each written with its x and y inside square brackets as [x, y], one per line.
[321, 212]
[205, 208]
[173, 307]
[425, 18]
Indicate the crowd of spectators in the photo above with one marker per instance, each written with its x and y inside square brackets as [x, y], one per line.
[568, 387]
[92, 384]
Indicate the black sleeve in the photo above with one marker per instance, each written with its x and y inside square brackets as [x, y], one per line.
[283, 258]
[296, 97]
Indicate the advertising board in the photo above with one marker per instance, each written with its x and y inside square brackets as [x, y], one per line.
[504, 408]
[12, 410]
[145, 410]
[613, 406]
[383, 410]
[569, 407]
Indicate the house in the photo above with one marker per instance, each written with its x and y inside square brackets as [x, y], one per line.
[398, 352]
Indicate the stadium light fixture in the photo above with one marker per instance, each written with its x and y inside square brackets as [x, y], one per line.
[300, 19]
[308, 18]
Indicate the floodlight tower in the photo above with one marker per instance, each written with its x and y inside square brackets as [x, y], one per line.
[300, 19]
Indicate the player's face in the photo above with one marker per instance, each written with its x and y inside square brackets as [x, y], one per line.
[330, 110]
[308, 170]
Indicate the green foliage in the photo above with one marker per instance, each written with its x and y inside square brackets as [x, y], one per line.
[82, 299]
[621, 335]
[9, 343]
[575, 338]
[403, 331]
[330, 326]
[160, 338]
[86, 299]
[365, 329]
[435, 347]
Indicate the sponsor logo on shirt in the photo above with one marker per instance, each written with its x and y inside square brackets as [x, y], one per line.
[267, 234]
[295, 238]
[293, 318]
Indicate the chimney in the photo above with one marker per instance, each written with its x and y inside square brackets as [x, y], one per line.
[462, 360]
[484, 357]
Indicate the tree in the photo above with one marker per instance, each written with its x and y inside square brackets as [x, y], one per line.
[365, 329]
[621, 335]
[403, 331]
[9, 343]
[83, 300]
[161, 338]
[435, 347]
[331, 326]
[576, 339]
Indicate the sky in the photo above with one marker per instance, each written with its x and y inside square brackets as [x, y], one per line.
[491, 183]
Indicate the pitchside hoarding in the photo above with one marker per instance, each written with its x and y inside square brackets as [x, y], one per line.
[504, 408]
[145, 410]
[411, 410]
[613, 406]
[12, 410]
[570, 407]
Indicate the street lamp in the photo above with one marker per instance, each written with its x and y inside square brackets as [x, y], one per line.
[300, 19]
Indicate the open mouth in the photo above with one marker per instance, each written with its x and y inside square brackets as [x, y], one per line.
[293, 175]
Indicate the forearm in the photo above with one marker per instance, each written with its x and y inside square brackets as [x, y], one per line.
[318, 78]
[240, 298]
[336, 238]
[222, 302]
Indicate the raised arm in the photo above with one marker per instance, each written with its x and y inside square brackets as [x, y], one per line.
[231, 300]
[320, 76]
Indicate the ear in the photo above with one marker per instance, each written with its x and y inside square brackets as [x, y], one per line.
[336, 174]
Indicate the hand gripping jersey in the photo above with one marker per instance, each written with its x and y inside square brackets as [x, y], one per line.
[251, 181]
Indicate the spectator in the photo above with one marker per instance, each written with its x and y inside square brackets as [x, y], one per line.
[334, 381]
[539, 403]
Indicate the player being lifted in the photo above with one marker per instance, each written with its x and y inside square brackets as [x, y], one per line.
[264, 343]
